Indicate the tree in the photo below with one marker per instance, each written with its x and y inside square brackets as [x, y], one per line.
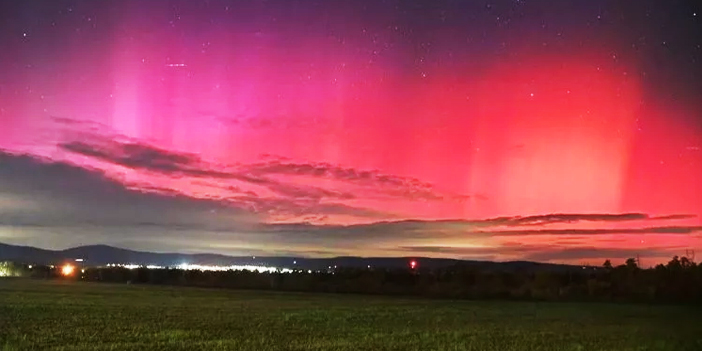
[631, 263]
[607, 264]
[9, 269]
[686, 263]
[675, 263]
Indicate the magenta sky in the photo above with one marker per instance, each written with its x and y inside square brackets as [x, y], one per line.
[511, 130]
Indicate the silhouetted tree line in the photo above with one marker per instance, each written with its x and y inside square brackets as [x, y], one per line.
[680, 280]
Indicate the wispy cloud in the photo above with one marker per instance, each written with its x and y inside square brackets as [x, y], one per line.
[285, 181]
[388, 185]
[477, 226]
[284, 199]
[333, 171]
[300, 207]
[142, 156]
[600, 231]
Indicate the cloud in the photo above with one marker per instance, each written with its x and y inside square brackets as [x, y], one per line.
[674, 217]
[478, 232]
[474, 226]
[456, 251]
[62, 194]
[79, 124]
[305, 191]
[371, 183]
[141, 156]
[300, 207]
[287, 184]
[601, 231]
[555, 218]
[405, 187]
[144, 157]
[332, 171]
[542, 253]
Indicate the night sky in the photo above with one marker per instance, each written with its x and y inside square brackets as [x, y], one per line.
[562, 131]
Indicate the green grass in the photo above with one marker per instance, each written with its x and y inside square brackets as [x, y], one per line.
[56, 315]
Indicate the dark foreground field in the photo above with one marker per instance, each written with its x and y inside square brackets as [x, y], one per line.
[37, 315]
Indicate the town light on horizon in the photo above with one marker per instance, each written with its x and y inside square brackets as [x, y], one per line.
[67, 270]
[187, 266]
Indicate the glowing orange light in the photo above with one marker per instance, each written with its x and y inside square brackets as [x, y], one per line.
[67, 270]
[413, 264]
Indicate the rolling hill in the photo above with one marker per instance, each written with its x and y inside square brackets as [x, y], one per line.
[98, 255]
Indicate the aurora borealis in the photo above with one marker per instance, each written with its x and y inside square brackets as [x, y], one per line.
[467, 129]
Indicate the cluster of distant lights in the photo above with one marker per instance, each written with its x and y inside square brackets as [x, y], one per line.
[203, 268]
[69, 269]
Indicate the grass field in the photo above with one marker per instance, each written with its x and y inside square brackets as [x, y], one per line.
[39, 315]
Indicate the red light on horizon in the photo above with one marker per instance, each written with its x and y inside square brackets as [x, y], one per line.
[413, 264]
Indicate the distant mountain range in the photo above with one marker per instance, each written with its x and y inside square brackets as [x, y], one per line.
[100, 255]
